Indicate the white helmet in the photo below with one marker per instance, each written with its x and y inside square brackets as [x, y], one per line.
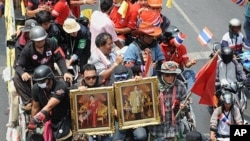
[234, 22]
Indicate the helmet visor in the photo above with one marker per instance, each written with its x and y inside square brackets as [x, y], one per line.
[228, 98]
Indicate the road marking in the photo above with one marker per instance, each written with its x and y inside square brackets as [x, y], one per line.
[196, 29]
[197, 55]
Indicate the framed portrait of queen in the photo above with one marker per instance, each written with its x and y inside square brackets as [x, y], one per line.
[92, 111]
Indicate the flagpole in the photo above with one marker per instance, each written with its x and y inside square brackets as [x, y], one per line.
[190, 93]
[185, 102]
[216, 53]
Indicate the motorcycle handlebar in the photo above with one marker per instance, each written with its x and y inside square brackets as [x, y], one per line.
[238, 84]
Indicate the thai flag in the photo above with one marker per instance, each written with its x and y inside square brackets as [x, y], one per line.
[179, 38]
[224, 119]
[239, 2]
[205, 36]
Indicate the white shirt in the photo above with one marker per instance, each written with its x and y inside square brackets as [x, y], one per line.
[100, 22]
[101, 61]
[224, 128]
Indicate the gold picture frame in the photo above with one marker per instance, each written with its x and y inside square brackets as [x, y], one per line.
[92, 111]
[137, 108]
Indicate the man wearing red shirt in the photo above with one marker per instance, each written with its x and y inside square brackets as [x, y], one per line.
[173, 49]
[124, 17]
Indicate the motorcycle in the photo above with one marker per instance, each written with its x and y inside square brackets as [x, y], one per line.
[239, 99]
[238, 89]
[244, 59]
[188, 119]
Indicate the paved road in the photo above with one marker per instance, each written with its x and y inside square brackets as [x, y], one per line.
[3, 86]
[190, 16]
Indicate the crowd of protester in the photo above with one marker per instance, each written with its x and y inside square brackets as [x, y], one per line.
[124, 39]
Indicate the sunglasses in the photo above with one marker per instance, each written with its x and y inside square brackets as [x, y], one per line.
[121, 77]
[90, 77]
[41, 81]
[169, 74]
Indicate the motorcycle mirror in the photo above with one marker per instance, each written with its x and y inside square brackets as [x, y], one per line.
[216, 46]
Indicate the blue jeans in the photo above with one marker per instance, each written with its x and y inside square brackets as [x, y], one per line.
[154, 138]
[247, 28]
[119, 134]
[139, 134]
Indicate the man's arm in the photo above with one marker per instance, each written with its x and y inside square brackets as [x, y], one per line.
[106, 73]
[237, 116]
[124, 30]
[214, 118]
[51, 104]
[213, 124]
[35, 108]
[240, 71]
[118, 44]
[82, 2]
[32, 12]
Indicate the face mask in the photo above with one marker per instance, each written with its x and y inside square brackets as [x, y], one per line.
[42, 85]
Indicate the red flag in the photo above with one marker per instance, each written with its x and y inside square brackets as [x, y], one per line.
[148, 69]
[204, 86]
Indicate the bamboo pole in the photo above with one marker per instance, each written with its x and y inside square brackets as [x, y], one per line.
[185, 102]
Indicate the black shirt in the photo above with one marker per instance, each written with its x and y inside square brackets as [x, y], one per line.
[29, 58]
[59, 91]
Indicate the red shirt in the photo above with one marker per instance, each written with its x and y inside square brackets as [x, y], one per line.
[179, 56]
[75, 11]
[136, 7]
[61, 11]
[128, 21]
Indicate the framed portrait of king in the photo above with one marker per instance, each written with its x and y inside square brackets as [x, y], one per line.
[92, 111]
[137, 102]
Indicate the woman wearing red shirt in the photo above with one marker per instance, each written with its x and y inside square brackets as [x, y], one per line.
[92, 106]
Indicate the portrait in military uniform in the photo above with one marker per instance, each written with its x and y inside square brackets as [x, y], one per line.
[137, 102]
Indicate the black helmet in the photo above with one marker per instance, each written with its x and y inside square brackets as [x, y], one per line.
[83, 20]
[42, 72]
[38, 33]
[169, 33]
[226, 54]
[227, 97]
